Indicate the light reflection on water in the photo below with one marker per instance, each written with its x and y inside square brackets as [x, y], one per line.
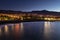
[47, 27]
[21, 26]
[0, 32]
[17, 27]
[11, 30]
[6, 29]
[30, 31]
[47, 30]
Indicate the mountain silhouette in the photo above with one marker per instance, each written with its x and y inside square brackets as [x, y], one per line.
[43, 12]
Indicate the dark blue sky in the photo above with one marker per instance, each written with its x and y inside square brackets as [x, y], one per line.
[29, 5]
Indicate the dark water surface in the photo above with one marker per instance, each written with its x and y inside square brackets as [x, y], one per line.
[30, 31]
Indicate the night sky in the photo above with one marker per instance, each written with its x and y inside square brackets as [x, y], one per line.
[29, 5]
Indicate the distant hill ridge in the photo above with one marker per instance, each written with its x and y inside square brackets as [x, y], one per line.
[22, 11]
[44, 12]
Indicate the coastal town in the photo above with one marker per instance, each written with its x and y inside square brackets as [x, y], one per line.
[42, 15]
